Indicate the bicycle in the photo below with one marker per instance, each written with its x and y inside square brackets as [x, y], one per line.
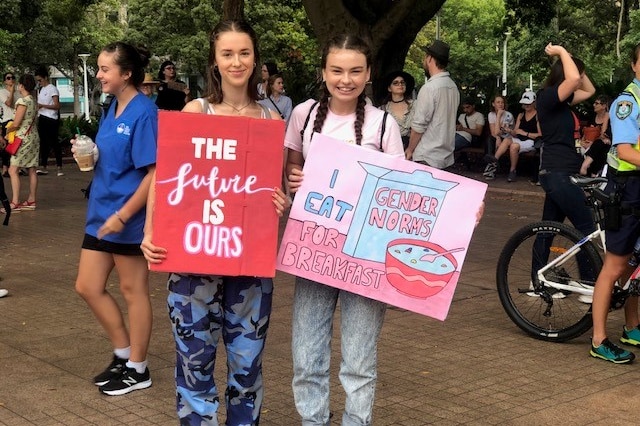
[548, 305]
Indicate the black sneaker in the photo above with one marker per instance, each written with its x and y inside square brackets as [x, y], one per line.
[113, 371]
[128, 381]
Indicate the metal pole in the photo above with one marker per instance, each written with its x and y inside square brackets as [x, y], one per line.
[619, 28]
[504, 64]
[504, 68]
[84, 57]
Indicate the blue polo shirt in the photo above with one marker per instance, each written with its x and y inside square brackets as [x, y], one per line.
[127, 145]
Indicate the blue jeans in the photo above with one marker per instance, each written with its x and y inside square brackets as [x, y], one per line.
[361, 319]
[203, 308]
[461, 142]
[563, 200]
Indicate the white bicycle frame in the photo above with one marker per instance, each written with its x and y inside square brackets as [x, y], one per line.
[573, 286]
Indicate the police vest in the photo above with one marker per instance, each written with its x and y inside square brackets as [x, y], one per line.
[612, 157]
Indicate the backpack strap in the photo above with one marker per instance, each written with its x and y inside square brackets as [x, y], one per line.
[384, 126]
[306, 121]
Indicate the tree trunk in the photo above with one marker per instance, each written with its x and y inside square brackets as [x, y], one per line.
[233, 9]
[391, 28]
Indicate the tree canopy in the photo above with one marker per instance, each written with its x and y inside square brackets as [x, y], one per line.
[35, 32]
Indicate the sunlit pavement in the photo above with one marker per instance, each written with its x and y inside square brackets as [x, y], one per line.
[474, 368]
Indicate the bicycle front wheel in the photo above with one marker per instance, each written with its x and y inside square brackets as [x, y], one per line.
[544, 312]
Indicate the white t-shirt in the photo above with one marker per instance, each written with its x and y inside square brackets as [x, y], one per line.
[6, 113]
[470, 122]
[341, 127]
[506, 122]
[45, 97]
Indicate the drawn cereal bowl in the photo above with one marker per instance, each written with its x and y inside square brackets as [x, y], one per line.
[419, 268]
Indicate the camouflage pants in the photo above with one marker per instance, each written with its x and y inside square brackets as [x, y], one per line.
[201, 309]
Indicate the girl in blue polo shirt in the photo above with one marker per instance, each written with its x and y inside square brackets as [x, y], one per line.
[126, 142]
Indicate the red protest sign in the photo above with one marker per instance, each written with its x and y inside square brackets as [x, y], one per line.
[214, 182]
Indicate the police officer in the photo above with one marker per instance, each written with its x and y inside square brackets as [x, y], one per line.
[624, 180]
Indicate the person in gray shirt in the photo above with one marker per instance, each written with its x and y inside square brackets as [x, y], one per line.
[433, 128]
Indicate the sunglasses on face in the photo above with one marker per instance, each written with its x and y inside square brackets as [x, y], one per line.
[9, 77]
[398, 83]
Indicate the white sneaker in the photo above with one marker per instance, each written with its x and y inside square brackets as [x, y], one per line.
[3, 292]
[585, 298]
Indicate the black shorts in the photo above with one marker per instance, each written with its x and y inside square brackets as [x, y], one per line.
[92, 243]
[622, 241]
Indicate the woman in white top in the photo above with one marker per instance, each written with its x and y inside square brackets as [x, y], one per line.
[267, 70]
[48, 121]
[343, 114]
[205, 308]
[501, 122]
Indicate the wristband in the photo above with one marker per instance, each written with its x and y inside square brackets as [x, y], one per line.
[117, 213]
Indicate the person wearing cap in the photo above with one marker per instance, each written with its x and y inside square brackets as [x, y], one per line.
[433, 127]
[398, 101]
[470, 124]
[149, 87]
[173, 94]
[524, 134]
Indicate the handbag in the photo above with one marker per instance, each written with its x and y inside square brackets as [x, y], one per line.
[12, 147]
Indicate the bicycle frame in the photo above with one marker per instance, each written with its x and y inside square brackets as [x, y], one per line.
[572, 251]
[564, 257]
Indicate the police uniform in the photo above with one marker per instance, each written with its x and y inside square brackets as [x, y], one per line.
[624, 176]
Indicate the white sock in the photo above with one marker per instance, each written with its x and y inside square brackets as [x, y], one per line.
[140, 367]
[123, 353]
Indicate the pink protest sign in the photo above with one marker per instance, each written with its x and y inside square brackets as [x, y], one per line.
[215, 176]
[380, 226]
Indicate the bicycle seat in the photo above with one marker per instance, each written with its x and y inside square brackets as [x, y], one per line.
[583, 181]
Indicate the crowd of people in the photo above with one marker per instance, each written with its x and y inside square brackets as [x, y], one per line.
[203, 308]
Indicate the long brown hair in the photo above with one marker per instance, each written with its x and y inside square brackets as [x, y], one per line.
[214, 79]
[556, 74]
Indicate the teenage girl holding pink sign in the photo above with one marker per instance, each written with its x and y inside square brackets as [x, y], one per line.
[344, 114]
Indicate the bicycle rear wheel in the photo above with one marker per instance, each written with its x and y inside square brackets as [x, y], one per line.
[546, 313]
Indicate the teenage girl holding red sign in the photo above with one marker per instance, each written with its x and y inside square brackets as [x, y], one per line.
[203, 308]
[341, 113]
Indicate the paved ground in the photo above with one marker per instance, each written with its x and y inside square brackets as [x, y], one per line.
[474, 368]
